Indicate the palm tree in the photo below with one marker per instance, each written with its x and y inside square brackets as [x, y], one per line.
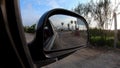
[75, 24]
[71, 21]
[68, 26]
[71, 24]
[62, 24]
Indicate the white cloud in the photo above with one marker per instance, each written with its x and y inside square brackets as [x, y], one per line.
[53, 4]
[50, 3]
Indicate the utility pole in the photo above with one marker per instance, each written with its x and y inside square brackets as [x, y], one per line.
[115, 30]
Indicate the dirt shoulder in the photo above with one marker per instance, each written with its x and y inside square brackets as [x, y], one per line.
[90, 58]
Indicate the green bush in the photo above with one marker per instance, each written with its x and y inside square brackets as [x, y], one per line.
[97, 41]
[96, 37]
[99, 37]
[94, 32]
[110, 42]
[30, 29]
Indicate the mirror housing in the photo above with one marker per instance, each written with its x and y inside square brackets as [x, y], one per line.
[37, 45]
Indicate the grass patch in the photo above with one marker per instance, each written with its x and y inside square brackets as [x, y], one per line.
[98, 41]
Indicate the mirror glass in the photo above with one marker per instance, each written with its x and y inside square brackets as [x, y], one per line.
[64, 32]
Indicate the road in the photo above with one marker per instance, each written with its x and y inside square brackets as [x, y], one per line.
[29, 37]
[87, 57]
[69, 39]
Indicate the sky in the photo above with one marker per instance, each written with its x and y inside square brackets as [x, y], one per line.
[32, 10]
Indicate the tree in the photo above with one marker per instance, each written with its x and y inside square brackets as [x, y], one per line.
[68, 26]
[85, 10]
[71, 23]
[79, 9]
[30, 29]
[99, 11]
[62, 24]
[75, 24]
[102, 12]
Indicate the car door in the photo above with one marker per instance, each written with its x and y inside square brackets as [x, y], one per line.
[16, 52]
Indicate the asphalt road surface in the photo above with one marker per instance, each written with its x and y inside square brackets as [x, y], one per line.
[69, 40]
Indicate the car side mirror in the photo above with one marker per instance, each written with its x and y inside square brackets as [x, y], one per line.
[52, 32]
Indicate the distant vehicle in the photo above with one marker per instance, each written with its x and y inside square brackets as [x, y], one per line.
[16, 52]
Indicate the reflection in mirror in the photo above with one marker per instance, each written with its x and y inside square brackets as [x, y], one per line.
[68, 32]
